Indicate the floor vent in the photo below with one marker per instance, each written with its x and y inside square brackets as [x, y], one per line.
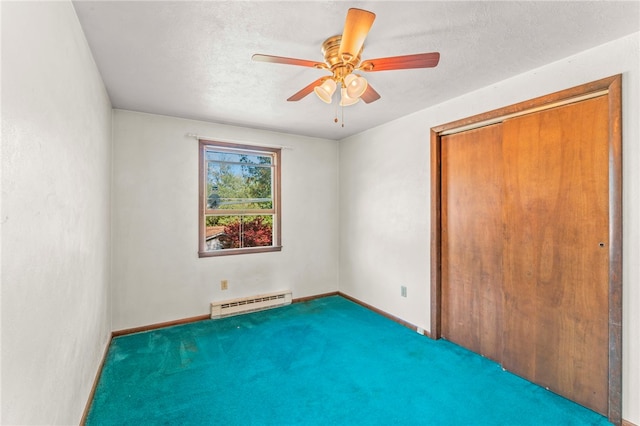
[243, 305]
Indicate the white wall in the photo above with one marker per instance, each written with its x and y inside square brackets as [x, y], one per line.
[384, 195]
[157, 275]
[56, 161]
[57, 230]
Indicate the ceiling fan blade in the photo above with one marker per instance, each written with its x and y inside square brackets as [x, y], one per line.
[288, 61]
[370, 95]
[420, 60]
[306, 90]
[356, 28]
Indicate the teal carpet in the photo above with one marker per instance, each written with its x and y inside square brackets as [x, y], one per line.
[324, 362]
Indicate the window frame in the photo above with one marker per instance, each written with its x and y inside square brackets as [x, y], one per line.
[203, 212]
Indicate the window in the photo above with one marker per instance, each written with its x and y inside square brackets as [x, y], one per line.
[239, 199]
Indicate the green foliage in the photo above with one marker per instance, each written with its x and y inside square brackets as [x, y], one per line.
[220, 220]
[240, 182]
[228, 220]
[229, 184]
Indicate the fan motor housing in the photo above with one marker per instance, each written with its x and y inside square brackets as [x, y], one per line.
[339, 67]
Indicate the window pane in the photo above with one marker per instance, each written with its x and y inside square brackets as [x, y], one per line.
[238, 158]
[239, 205]
[227, 232]
[238, 187]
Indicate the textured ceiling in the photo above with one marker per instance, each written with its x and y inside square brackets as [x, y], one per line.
[192, 59]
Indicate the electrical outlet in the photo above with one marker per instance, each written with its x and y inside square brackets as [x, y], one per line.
[403, 291]
[224, 284]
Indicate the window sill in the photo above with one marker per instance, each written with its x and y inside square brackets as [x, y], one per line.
[229, 252]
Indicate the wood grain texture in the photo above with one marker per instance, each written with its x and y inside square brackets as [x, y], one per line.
[370, 95]
[287, 61]
[607, 83]
[611, 88]
[300, 94]
[472, 247]
[356, 27]
[556, 252]
[436, 236]
[615, 249]
[418, 60]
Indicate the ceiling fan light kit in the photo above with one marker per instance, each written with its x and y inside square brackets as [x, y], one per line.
[355, 85]
[325, 90]
[342, 56]
[345, 99]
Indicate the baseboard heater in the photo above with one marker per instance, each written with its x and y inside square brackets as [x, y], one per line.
[243, 305]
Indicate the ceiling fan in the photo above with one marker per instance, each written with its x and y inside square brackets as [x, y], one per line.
[342, 57]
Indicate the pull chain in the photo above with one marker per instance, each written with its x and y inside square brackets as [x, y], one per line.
[335, 120]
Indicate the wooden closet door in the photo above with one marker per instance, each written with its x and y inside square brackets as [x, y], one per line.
[556, 254]
[472, 240]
